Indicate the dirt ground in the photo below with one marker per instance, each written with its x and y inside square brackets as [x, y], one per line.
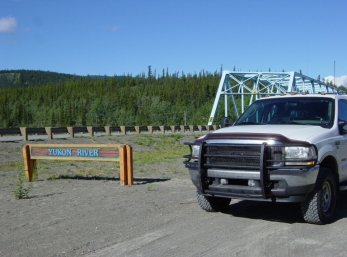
[78, 214]
[93, 215]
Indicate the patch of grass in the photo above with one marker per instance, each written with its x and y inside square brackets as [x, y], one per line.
[53, 177]
[21, 191]
[95, 170]
[173, 169]
[164, 148]
[144, 140]
[12, 165]
[53, 170]
[116, 139]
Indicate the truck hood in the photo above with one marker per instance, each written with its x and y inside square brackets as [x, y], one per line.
[306, 133]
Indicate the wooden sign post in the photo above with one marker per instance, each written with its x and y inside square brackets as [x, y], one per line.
[81, 152]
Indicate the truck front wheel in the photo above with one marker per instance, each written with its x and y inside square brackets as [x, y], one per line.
[212, 204]
[320, 204]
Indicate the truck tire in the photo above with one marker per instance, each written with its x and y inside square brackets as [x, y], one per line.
[212, 204]
[320, 204]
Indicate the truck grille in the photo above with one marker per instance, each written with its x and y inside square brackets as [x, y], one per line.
[232, 156]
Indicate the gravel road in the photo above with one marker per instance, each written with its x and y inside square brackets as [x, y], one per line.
[157, 216]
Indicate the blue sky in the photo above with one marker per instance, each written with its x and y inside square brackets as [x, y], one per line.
[116, 37]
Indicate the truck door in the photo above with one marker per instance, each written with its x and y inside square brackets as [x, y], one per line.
[341, 145]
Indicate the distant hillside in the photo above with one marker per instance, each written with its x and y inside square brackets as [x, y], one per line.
[17, 78]
[9, 79]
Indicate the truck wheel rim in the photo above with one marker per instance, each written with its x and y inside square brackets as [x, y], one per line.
[326, 195]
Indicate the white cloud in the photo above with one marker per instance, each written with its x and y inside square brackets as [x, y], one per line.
[8, 24]
[339, 81]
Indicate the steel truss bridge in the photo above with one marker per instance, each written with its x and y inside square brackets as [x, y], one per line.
[250, 86]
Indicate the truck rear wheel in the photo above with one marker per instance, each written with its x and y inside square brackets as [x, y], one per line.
[212, 204]
[320, 204]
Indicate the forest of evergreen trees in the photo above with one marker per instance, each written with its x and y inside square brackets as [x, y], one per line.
[41, 98]
[37, 98]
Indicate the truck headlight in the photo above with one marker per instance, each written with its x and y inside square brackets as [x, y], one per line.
[195, 151]
[299, 152]
[293, 155]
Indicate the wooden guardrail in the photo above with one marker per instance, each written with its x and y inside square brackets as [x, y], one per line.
[51, 131]
[81, 152]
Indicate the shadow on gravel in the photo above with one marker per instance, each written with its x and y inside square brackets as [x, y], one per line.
[341, 208]
[279, 212]
[46, 195]
[141, 181]
[137, 181]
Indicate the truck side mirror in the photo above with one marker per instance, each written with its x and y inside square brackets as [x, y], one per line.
[224, 122]
[341, 125]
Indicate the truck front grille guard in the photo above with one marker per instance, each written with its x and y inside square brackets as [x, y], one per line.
[254, 157]
[230, 156]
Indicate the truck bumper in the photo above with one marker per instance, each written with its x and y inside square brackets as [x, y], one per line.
[286, 185]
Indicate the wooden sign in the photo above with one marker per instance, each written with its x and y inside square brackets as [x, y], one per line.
[81, 152]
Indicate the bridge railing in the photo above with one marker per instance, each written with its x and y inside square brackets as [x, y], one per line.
[108, 130]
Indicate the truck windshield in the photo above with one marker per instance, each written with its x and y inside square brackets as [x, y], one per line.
[296, 110]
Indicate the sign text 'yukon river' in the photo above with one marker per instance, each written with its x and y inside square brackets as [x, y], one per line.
[83, 152]
[68, 152]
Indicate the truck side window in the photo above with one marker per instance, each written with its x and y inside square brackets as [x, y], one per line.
[342, 115]
[342, 110]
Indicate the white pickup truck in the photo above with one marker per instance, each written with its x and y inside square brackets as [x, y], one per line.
[290, 148]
